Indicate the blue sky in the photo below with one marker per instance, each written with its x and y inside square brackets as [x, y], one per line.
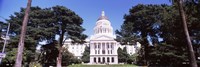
[89, 10]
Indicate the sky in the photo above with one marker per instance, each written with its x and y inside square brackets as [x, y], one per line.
[89, 10]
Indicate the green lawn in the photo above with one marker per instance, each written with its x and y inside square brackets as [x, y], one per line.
[118, 65]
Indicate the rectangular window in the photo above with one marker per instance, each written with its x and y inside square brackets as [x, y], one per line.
[112, 45]
[103, 51]
[99, 45]
[95, 46]
[98, 51]
[95, 51]
[103, 46]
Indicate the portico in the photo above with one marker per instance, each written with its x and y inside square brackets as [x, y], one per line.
[103, 52]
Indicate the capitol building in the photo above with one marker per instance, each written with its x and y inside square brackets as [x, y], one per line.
[103, 46]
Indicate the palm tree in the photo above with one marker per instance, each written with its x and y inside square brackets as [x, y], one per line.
[192, 59]
[18, 61]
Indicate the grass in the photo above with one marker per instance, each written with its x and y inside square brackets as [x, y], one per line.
[117, 65]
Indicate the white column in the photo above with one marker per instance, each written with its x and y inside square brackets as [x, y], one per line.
[91, 48]
[91, 60]
[106, 48]
[115, 49]
[97, 59]
[111, 48]
[116, 61]
[105, 59]
[101, 48]
[110, 59]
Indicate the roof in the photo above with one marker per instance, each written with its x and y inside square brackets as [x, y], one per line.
[103, 17]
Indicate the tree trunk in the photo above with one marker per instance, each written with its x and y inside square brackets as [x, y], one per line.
[192, 58]
[18, 62]
[59, 58]
[145, 48]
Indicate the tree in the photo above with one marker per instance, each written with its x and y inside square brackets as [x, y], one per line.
[48, 54]
[149, 23]
[68, 25]
[123, 56]
[192, 59]
[126, 55]
[39, 28]
[86, 55]
[140, 24]
[165, 55]
[120, 55]
[22, 36]
[69, 58]
[43, 25]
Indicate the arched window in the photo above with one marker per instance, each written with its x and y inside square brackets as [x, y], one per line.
[99, 59]
[97, 30]
[100, 30]
[112, 59]
[108, 59]
[103, 59]
[95, 59]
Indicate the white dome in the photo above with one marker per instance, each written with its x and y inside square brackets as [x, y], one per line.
[103, 26]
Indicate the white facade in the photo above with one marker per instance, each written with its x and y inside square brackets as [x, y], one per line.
[131, 49]
[76, 49]
[103, 47]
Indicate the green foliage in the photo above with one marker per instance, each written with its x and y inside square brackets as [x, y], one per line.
[167, 54]
[133, 58]
[68, 24]
[149, 23]
[48, 53]
[44, 25]
[143, 22]
[37, 31]
[69, 58]
[86, 55]
[123, 56]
